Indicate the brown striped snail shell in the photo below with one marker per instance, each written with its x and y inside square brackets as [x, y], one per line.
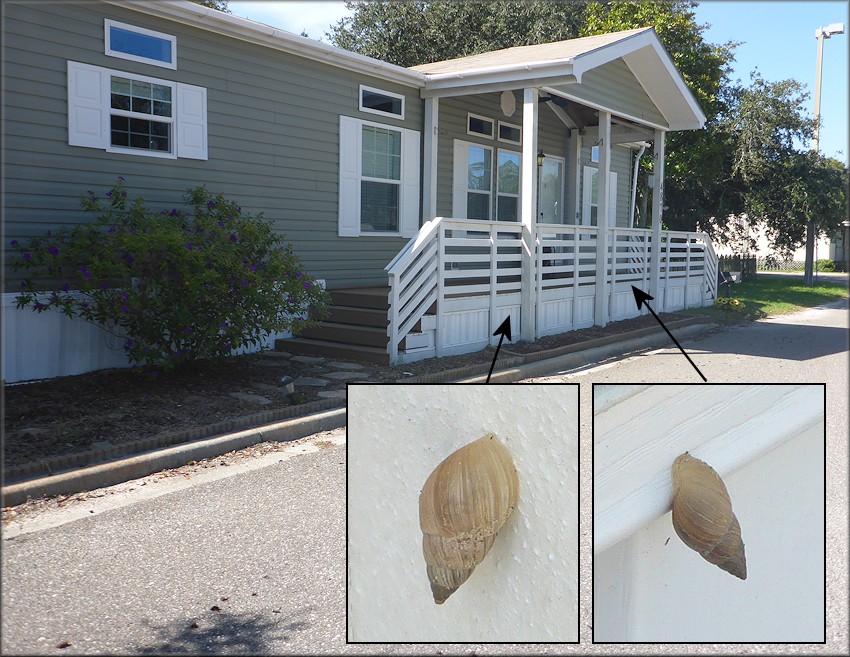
[703, 516]
[464, 503]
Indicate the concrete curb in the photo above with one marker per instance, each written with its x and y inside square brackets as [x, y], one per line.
[141, 465]
[579, 358]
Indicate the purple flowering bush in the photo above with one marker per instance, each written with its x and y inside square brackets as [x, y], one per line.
[181, 285]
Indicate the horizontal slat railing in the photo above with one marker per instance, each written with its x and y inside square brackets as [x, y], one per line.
[454, 259]
[413, 279]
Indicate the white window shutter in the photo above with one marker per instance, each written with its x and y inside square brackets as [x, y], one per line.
[460, 179]
[191, 120]
[87, 106]
[349, 177]
[410, 169]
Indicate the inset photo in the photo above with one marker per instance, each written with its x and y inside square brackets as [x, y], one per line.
[709, 513]
[463, 511]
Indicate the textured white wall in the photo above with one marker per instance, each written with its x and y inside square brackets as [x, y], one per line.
[649, 589]
[526, 589]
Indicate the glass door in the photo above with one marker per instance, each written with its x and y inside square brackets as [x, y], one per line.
[550, 204]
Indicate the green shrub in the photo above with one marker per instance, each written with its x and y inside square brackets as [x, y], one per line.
[824, 265]
[180, 286]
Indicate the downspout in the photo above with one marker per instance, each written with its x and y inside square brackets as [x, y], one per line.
[643, 147]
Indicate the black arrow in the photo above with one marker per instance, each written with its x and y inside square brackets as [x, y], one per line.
[641, 298]
[503, 330]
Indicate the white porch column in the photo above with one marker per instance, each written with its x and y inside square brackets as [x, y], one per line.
[429, 164]
[528, 215]
[657, 211]
[603, 221]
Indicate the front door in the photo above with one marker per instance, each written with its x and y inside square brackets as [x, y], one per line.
[551, 200]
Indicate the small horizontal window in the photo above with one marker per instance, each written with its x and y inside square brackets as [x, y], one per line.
[140, 45]
[510, 133]
[385, 103]
[479, 125]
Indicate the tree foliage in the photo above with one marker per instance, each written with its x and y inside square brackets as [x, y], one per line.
[746, 160]
[412, 33]
[221, 5]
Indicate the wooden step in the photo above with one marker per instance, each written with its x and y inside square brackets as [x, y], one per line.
[367, 336]
[376, 298]
[310, 347]
[357, 316]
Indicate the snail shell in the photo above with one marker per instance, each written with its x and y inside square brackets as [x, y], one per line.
[464, 503]
[703, 516]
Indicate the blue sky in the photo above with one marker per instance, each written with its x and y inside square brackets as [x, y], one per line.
[778, 38]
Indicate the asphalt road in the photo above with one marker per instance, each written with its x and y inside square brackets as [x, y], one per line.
[807, 347]
[250, 558]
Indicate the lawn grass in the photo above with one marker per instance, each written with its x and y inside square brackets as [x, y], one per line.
[773, 295]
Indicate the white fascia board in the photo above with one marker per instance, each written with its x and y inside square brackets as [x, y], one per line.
[514, 77]
[597, 106]
[680, 108]
[608, 53]
[190, 13]
[474, 87]
[640, 430]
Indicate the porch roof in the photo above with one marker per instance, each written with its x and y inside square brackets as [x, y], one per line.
[562, 63]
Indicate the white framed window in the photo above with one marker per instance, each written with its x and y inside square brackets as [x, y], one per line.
[379, 179]
[141, 116]
[479, 176]
[510, 133]
[594, 154]
[507, 185]
[385, 103]
[480, 126]
[122, 112]
[139, 44]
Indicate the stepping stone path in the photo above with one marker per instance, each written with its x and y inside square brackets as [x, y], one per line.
[308, 360]
[332, 394]
[310, 381]
[345, 366]
[347, 376]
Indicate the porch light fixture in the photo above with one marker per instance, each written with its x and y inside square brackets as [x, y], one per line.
[540, 157]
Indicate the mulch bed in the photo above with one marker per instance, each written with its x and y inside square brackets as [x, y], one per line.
[69, 414]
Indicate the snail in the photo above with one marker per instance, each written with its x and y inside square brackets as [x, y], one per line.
[703, 516]
[464, 503]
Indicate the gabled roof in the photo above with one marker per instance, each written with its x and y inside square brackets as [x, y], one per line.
[554, 65]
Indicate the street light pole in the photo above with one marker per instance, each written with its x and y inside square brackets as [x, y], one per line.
[821, 34]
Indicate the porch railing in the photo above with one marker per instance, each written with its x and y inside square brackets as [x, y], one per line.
[458, 279]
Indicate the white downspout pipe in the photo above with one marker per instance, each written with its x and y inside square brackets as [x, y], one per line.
[643, 147]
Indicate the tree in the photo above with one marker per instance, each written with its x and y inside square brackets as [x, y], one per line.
[783, 185]
[697, 169]
[221, 5]
[412, 33]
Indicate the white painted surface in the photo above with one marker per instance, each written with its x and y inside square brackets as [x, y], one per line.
[49, 344]
[770, 453]
[526, 588]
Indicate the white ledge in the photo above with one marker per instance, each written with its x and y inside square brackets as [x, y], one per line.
[639, 430]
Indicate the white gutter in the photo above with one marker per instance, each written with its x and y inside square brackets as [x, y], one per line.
[190, 13]
[643, 147]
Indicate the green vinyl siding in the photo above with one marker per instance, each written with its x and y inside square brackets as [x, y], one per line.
[552, 136]
[614, 87]
[272, 129]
